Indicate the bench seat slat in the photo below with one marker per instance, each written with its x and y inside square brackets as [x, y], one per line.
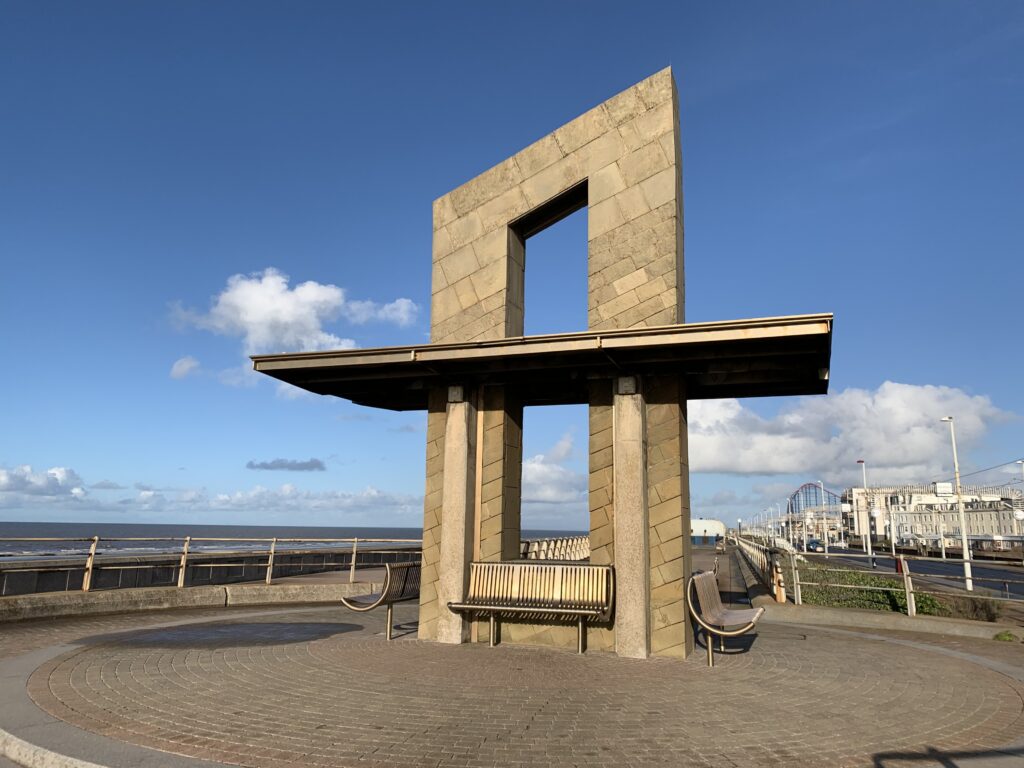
[529, 587]
[537, 586]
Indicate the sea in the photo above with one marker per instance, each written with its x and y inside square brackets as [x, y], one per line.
[76, 537]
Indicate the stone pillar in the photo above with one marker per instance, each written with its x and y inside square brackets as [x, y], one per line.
[668, 495]
[501, 470]
[500, 460]
[457, 515]
[601, 494]
[437, 417]
[631, 529]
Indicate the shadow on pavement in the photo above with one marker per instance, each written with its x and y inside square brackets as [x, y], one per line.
[950, 759]
[408, 628]
[733, 645]
[225, 635]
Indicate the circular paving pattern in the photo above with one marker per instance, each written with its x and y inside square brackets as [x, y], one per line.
[324, 688]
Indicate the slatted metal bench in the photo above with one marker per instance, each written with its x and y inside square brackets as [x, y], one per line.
[714, 617]
[401, 582]
[542, 590]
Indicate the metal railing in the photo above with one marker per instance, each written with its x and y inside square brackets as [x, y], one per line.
[91, 564]
[987, 588]
[563, 548]
[765, 563]
[759, 556]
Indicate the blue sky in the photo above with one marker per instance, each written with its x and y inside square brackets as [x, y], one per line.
[157, 159]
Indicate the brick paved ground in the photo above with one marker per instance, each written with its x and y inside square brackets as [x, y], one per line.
[321, 687]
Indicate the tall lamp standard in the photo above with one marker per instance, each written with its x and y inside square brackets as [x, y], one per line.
[867, 537]
[1016, 512]
[968, 581]
[824, 516]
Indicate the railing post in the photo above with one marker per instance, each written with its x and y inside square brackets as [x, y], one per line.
[908, 587]
[797, 599]
[778, 582]
[87, 576]
[270, 560]
[352, 565]
[184, 562]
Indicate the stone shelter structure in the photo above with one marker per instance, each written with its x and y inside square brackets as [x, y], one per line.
[636, 366]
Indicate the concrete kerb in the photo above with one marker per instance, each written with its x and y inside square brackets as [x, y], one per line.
[21, 752]
[824, 616]
[50, 605]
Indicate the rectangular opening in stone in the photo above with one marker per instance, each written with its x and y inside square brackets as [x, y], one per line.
[551, 245]
[554, 480]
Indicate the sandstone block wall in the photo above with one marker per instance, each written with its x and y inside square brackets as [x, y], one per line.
[627, 153]
[668, 495]
[627, 150]
[433, 497]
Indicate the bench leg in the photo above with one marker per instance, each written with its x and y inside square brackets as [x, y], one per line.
[721, 642]
[492, 639]
[387, 632]
[709, 641]
[581, 635]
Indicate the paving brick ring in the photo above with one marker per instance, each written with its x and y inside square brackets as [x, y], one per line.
[311, 688]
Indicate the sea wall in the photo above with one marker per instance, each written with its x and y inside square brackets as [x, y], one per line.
[120, 572]
[57, 604]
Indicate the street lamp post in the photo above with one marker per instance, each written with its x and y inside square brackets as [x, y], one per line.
[941, 526]
[864, 475]
[1016, 520]
[803, 525]
[824, 516]
[968, 581]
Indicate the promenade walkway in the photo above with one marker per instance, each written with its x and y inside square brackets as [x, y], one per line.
[319, 686]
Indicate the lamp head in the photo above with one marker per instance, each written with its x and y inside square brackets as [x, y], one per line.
[946, 418]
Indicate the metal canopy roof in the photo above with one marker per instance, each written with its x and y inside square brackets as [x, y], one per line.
[736, 358]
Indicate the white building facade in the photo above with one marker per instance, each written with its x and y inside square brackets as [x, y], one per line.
[920, 513]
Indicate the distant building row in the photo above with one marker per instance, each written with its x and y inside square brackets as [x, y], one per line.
[919, 513]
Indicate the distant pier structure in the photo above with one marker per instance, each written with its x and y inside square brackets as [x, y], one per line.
[636, 367]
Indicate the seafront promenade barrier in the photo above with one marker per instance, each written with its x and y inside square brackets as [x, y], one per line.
[842, 570]
[561, 548]
[252, 559]
[261, 559]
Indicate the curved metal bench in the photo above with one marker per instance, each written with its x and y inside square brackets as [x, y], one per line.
[714, 617]
[401, 582]
[546, 590]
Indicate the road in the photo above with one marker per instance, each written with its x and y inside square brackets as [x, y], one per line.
[1002, 576]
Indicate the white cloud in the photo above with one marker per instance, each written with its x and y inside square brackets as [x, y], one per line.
[62, 489]
[895, 428]
[401, 312]
[238, 376]
[379, 507]
[53, 483]
[183, 366]
[270, 316]
[107, 485]
[546, 479]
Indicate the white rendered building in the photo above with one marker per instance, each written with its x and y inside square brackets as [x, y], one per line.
[920, 512]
